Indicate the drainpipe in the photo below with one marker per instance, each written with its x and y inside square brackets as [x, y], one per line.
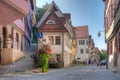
[107, 56]
[63, 48]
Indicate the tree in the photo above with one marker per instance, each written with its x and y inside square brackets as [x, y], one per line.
[35, 35]
[39, 13]
[103, 56]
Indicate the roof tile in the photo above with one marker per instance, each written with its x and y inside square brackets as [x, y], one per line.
[81, 31]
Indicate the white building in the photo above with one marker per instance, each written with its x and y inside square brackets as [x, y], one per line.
[82, 43]
[58, 32]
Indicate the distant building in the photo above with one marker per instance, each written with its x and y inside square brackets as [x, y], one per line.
[112, 33]
[58, 32]
[82, 37]
[91, 45]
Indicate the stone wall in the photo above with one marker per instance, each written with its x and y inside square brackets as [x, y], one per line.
[10, 55]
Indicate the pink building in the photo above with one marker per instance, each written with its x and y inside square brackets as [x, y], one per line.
[14, 22]
[11, 10]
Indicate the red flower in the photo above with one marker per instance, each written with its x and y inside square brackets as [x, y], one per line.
[50, 50]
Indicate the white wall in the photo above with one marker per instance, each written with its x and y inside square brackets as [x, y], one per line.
[55, 48]
[83, 56]
[111, 62]
[67, 43]
[67, 49]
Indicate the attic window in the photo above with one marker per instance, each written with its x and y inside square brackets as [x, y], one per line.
[50, 22]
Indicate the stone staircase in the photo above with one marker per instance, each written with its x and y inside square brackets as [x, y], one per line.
[21, 65]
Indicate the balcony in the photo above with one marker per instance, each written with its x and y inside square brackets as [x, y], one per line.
[11, 10]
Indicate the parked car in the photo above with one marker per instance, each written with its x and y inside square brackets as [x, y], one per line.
[103, 62]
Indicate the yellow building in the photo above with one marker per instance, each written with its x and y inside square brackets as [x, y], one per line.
[74, 44]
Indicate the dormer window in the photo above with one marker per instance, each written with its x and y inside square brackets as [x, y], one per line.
[50, 22]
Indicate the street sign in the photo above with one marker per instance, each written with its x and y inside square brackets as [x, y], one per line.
[40, 35]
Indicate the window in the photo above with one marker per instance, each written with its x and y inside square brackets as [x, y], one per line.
[117, 2]
[110, 47]
[87, 43]
[87, 51]
[17, 37]
[44, 40]
[81, 42]
[78, 58]
[106, 23]
[4, 37]
[51, 40]
[17, 40]
[57, 40]
[81, 51]
[50, 22]
[58, 58]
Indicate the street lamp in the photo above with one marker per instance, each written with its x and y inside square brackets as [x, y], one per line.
[99, 33]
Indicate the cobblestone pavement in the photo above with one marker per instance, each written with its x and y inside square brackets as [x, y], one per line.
[21, 65]
[71, 73]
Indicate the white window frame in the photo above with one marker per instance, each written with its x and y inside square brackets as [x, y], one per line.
[50, 22]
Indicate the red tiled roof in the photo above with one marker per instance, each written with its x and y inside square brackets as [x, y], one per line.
[81, 31]
[96, 50]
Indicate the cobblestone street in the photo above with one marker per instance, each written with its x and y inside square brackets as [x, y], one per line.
[71, 73]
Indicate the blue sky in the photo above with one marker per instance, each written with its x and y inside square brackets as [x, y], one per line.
[84, 12]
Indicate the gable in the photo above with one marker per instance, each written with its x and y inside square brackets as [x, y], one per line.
[56, 26]
[52, 8]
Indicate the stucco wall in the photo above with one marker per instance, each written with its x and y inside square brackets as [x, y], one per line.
[111, 62]
[67, 59]
[119, 62]
[20, 23]
[55, 48]
[83, 56]
[111, 56]
[67, 43]
[24, 6]
[110, 30]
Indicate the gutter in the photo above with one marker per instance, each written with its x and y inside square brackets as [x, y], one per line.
[63, 48]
